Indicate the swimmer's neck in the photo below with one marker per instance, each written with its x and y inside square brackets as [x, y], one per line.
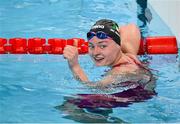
[120, 60]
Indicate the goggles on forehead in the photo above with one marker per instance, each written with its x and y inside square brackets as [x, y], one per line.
[99, 34]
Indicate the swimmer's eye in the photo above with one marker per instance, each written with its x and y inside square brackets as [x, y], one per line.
[103, 46]
[91, 46]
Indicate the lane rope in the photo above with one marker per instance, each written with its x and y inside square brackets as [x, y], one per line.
[148, 45]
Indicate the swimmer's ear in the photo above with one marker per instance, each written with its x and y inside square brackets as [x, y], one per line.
[75, 43]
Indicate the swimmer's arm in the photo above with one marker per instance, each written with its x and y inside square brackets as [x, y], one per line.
[71, 54]
[102, 83]
[78, 73]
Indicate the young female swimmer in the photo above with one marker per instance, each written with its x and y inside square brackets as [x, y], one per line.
[110, 46]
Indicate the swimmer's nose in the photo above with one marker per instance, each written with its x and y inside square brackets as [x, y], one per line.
[96, 50]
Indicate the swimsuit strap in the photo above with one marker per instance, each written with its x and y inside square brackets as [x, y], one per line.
[119, 64]
[125, 63]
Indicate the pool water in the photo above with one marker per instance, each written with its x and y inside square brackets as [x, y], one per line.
[36, 88]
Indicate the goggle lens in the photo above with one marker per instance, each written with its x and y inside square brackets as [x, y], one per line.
[100, 35]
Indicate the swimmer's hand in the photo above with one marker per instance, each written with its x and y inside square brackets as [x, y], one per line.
[71, 54]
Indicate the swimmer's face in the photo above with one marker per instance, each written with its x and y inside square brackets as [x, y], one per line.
[104, 52]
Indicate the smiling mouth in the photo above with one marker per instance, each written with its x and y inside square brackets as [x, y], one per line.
[98, 59]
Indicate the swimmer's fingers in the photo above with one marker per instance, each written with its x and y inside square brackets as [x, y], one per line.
[75, 43]
[70, 52]
[70, 49]
[67, 55]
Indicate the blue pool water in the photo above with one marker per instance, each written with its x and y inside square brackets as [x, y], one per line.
[35, 88]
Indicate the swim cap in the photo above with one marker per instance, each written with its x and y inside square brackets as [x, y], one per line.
[109, 27]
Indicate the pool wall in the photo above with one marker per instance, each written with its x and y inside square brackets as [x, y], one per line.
[168, 10]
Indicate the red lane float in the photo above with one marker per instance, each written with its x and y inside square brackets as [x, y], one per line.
[35, 45]
[142, 50]
[17, 46]
[56, 45]
[149, 45]
[3, 41]
[161, 45]
[79, 43]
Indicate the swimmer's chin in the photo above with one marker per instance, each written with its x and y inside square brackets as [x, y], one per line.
[100, 64]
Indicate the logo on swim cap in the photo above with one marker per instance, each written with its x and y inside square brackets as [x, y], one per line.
[115, 27]
[115, 31]
[98, 26]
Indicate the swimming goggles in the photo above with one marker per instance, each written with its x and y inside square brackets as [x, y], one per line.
[99, 34]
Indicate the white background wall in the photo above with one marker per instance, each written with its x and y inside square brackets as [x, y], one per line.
[169, 11]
